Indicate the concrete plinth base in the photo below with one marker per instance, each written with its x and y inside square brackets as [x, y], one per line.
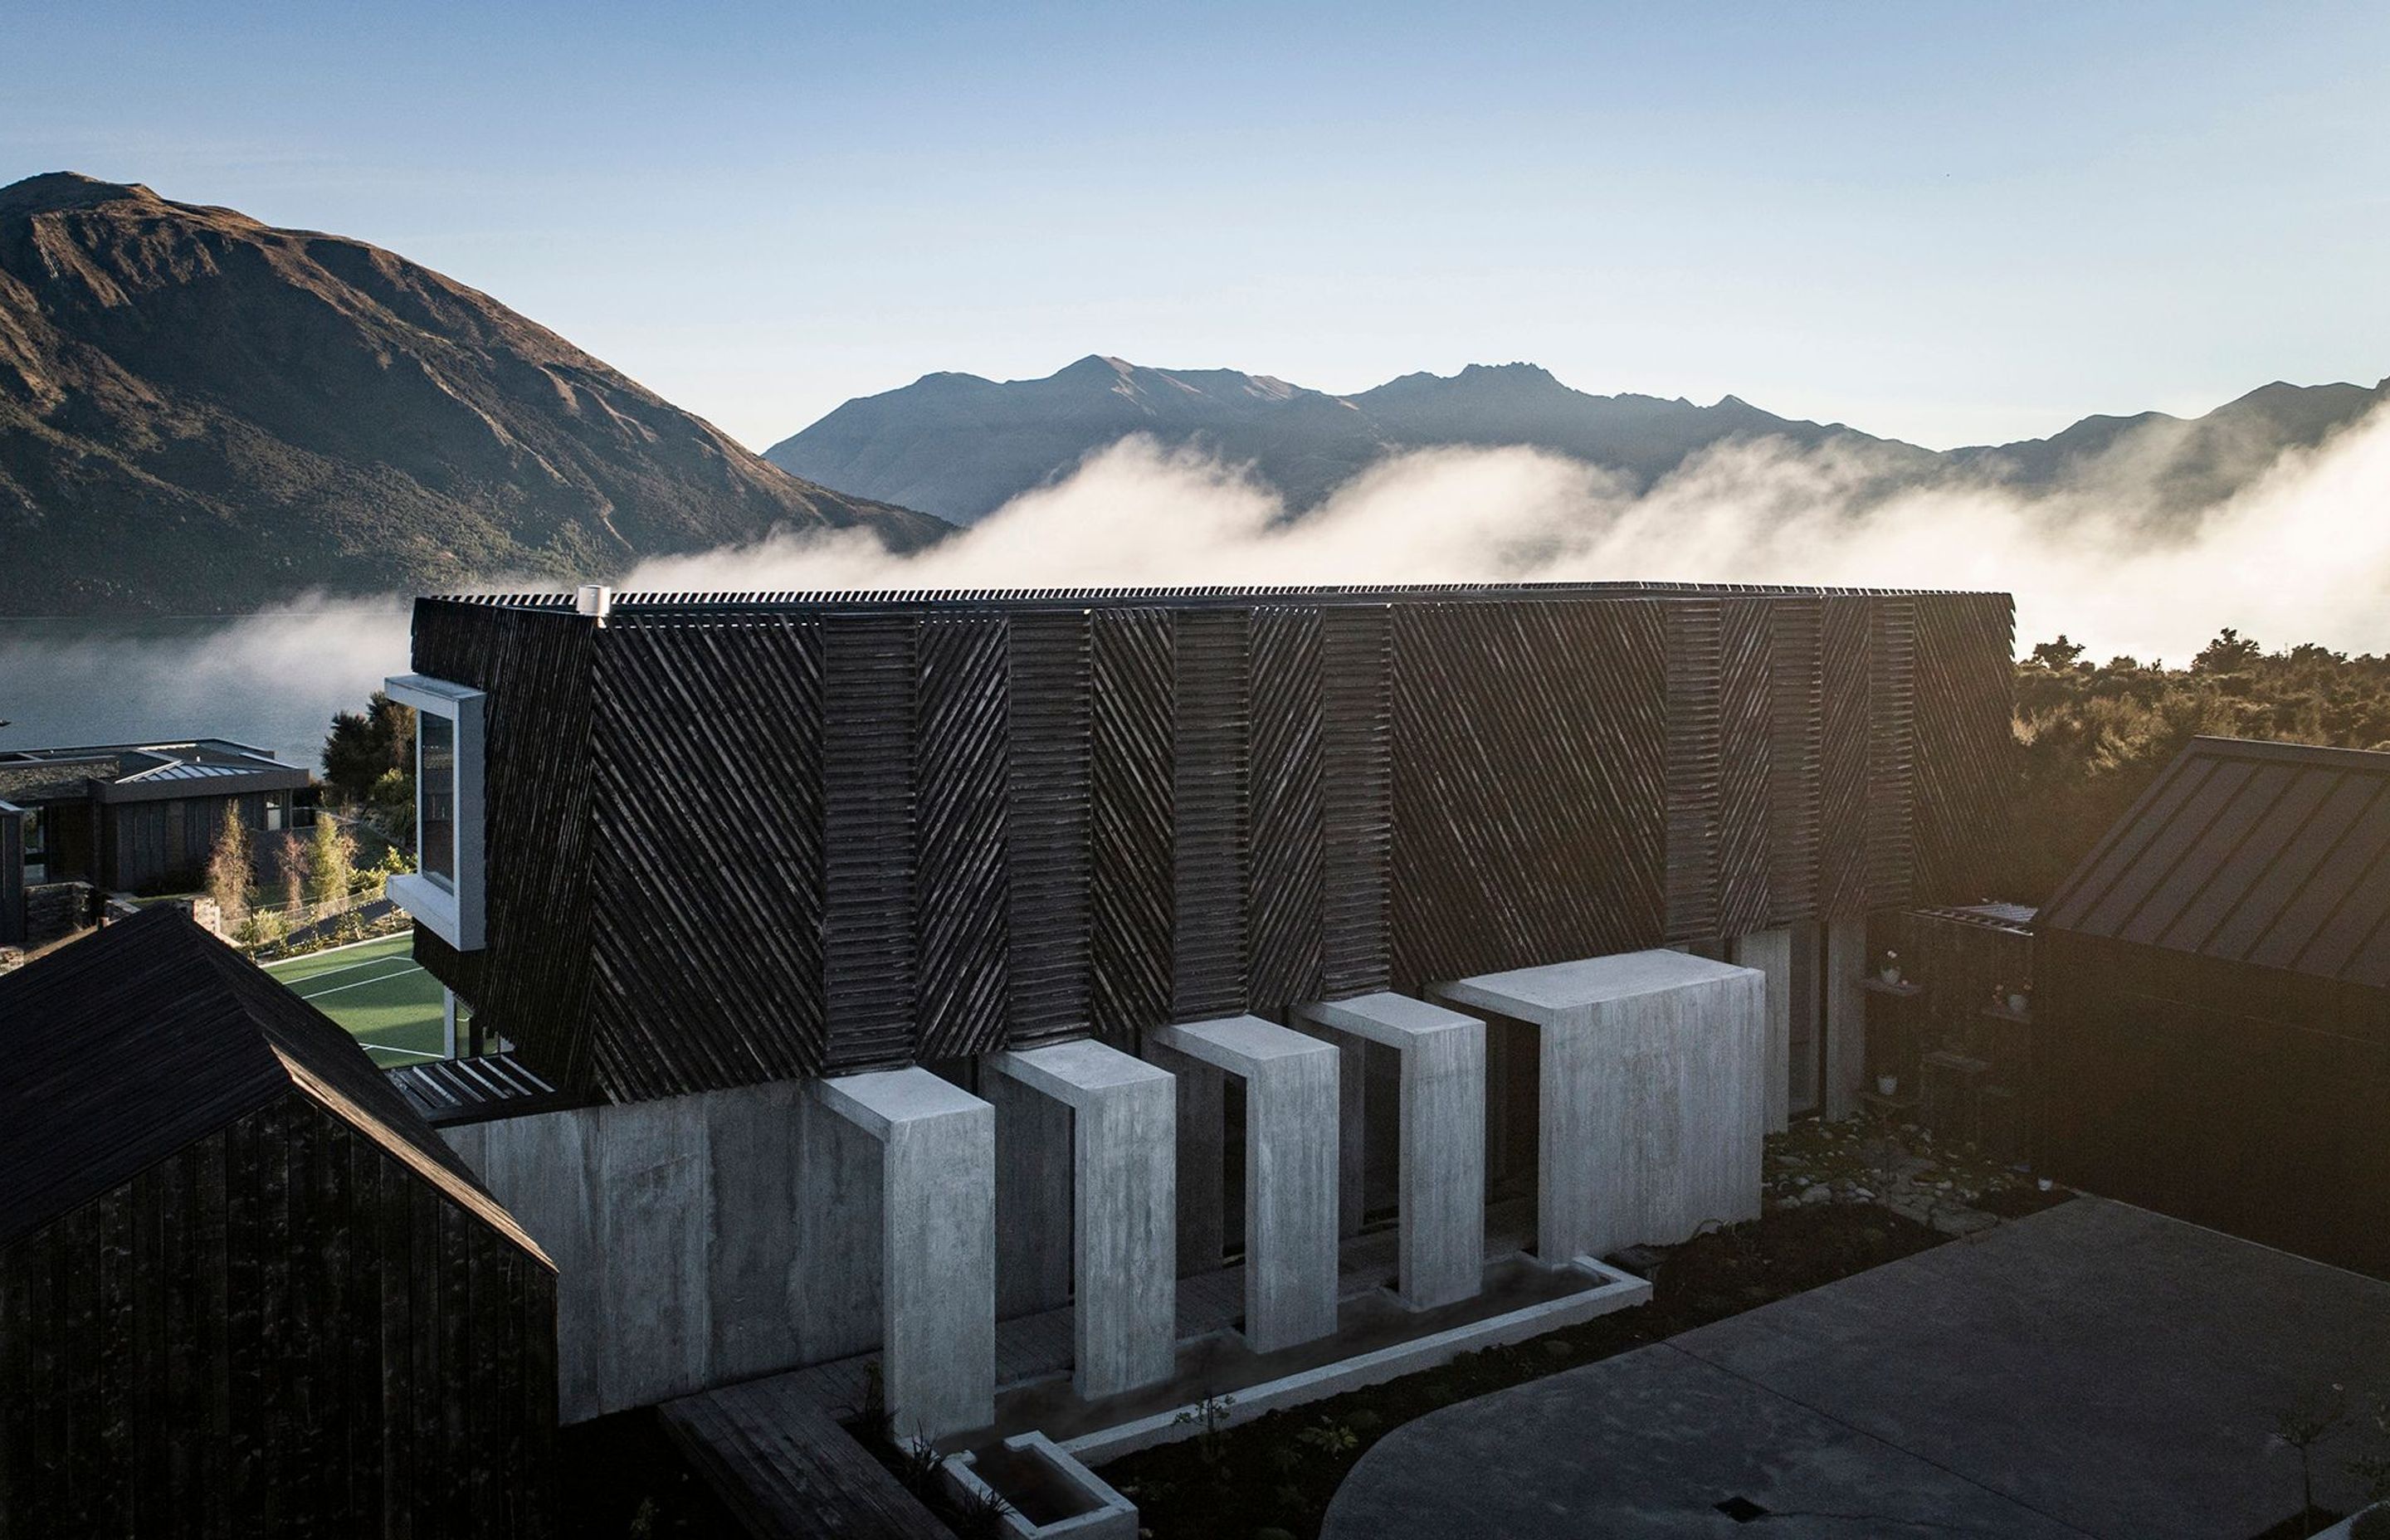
[1120, 1182]
[1441, 1185]
[1290, 1169]
[1651, 1103]
[1770, 954]
[937, 1265]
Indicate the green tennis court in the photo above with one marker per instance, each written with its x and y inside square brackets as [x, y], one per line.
[378, 992]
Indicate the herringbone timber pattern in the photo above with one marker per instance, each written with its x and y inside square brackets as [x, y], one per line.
[1529, 785]
[1493, 778]
[1283, 875]
[867, 838]
[708, 917]
[1211, 753]
[1892, 762]
[963, 761]
[1694, 668]
[1746, 741]
[1132, 894]
[1049, 828]
[1842, 758]
[1795, 759]
[1966, 748]
[1356, 801]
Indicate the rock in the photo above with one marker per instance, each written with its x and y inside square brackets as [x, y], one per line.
[1555, 1348]
[1864, 1196]
[1818, 1195]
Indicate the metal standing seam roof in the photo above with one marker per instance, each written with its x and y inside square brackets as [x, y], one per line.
[126, 1047]
[2272, 854]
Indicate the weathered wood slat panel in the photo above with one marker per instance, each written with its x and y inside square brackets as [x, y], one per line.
[1050, 841]
[868, 844]
[1133, 654]
[1891, 845]
[1746, 739]
[1966, 752]
[1284, 896]
[1797, 693]
[1530, 784]
[1696, 664]
[963, 776]
[708, 942]
[1356, 800]
[1844, 634]
[1210, 757]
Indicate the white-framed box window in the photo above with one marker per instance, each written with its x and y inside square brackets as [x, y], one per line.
[444, 893]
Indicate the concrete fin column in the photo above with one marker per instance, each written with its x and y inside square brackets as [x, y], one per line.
[937, 1166]
[1770, 953]
[1441, 1185]
[1290, 1177]
[1846, 1023]
[1653, 1115]
[1123, 1119]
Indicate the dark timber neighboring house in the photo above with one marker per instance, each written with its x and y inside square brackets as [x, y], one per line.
[2213, 1008]
[129, 817]
[244, 1289]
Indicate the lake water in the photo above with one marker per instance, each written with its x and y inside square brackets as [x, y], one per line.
[272, 679]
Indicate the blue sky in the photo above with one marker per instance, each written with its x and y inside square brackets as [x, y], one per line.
[1950, 224]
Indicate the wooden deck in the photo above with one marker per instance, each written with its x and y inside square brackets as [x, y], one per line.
[780, 1462]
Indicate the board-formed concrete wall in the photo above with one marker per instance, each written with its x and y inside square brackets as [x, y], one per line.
[684, 1255]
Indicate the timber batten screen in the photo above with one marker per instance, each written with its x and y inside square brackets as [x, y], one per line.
[743, 838]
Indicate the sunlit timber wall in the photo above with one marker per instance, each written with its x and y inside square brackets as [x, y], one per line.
[734, 840]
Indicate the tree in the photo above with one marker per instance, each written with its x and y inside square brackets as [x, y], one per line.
[2230, 653]
[331, 861]
[230, 870]
[291, 865]
[365, 746]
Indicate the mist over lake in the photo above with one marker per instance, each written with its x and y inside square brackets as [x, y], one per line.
[273, 679]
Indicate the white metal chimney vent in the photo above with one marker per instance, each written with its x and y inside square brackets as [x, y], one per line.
[595, 600]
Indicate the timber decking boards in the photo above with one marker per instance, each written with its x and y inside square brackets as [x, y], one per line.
[781, 1464]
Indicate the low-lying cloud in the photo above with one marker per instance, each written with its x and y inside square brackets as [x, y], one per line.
[2300, 553]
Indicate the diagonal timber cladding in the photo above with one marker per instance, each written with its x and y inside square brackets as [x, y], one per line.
[735, 839]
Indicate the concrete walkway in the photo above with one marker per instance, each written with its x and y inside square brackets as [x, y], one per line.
[2093, 1371]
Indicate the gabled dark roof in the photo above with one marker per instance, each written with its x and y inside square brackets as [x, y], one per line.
[2273, 854]
[120, 1049]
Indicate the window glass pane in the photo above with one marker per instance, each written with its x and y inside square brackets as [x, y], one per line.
[435, 797]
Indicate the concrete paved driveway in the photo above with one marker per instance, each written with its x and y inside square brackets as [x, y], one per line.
[2093, 1371]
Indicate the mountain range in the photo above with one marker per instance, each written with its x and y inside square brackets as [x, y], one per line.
[202, 413]
[960, 446]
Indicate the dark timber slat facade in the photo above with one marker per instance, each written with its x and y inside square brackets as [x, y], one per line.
[741, 838]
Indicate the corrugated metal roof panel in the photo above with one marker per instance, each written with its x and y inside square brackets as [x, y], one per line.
[2274, 853]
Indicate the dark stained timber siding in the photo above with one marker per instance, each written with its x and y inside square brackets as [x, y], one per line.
[280, 1330]
[1796, 628]
[1696, 665]
[1966, 752]
[1746, 763]
[1355, 799]
[708, 855]
[1283, 877]
[867, 846]
[1048, 829]
[1130, 815]
[1211, 751]
[1845, 736]
[1530, 784]
[735, 839]
[963, 807]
